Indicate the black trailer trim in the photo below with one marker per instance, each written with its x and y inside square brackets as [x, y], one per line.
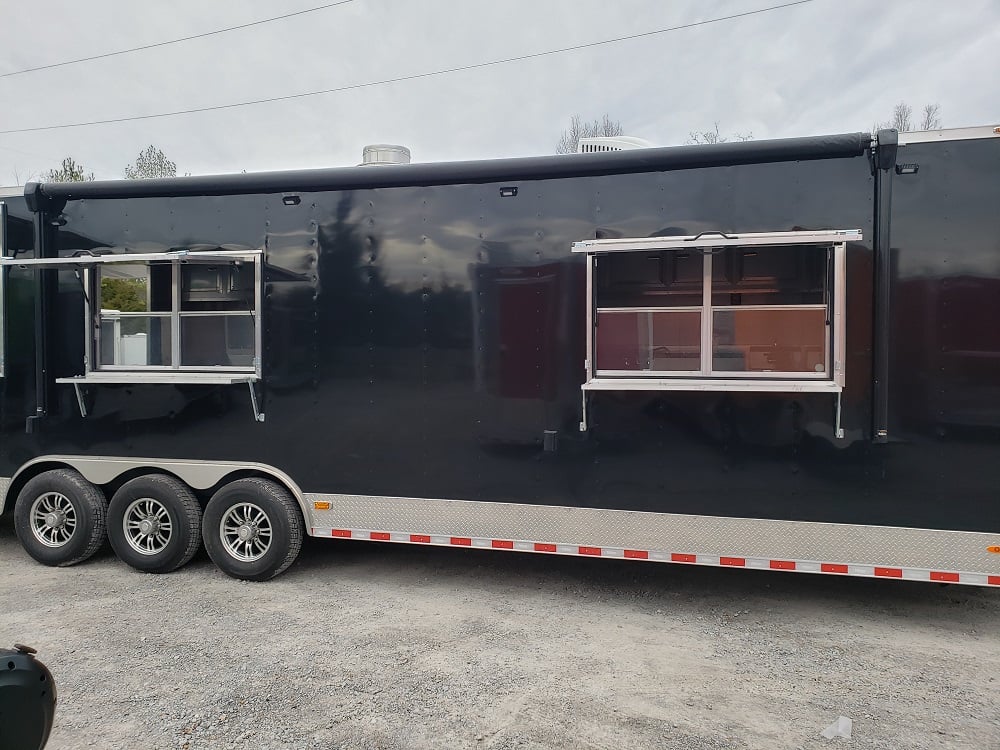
[463, 172]
[888, 143]
[41, 329]
[3, 254]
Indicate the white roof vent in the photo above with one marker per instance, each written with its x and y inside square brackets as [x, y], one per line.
[385, 153]
[611, 143]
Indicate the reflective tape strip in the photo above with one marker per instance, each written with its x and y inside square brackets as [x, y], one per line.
[937, 575]
[579, 550]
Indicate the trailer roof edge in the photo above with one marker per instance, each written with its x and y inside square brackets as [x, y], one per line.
[949, 134]
[467, 172]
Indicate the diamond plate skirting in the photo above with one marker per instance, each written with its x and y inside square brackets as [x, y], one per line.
[4, 485]
[702, 535]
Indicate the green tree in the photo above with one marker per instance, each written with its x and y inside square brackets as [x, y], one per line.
[124, 295]
[69, 171]
[151, 163]
[578, 129]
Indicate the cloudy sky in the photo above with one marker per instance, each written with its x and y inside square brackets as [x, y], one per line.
[823, 66]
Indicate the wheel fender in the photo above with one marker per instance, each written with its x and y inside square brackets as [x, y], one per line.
[199, 475]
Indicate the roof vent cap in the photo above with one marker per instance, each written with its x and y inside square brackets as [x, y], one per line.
[385, 153]
[611, 143]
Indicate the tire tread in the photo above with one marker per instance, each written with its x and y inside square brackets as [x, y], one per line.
[292, 517]
[91, 497]
[190, 517]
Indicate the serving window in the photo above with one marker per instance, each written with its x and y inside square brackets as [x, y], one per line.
[187, 316]
[717, 312]
[179, 316]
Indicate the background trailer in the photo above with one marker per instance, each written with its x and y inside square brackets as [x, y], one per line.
[776, 354]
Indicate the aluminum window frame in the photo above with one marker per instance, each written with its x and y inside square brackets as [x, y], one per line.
[832, 379]
[176, 315]
[89, 265]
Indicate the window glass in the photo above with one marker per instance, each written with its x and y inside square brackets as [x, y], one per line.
[750, 340]
[134, 340]
[664, 279]
[217, 340]
[769, 311]
[125, 287]
[648, 340]
[225, 286]
[782, 275]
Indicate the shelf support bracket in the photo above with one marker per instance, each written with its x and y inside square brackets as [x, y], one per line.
[79, 400]
[258, 415]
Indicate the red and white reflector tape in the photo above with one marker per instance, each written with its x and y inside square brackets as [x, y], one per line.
[799, 566]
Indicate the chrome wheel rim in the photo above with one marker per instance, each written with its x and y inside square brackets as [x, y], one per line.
[53, 519]
[147, 526]
[246, 532]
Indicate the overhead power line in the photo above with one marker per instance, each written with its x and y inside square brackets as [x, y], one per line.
[173, 41]
[411, 77]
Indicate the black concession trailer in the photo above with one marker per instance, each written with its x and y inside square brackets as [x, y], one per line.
[777, 354]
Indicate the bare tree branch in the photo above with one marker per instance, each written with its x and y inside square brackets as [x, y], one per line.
[706, 136]
[931, 119]
[714, 136]
[902, 118]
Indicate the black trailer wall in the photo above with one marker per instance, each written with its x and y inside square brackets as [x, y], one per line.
[944, 381]
[421, 339]
[17, 386]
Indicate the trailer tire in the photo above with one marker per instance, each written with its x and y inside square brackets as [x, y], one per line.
[154, 523]
[60, 518]
[252, 529]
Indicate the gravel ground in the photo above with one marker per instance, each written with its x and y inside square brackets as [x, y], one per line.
[382, 646]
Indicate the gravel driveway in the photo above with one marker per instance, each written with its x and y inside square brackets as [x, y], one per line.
[382, 646]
